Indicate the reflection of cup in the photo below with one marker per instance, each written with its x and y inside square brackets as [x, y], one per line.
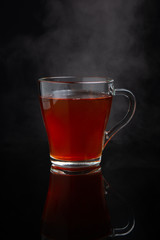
[76, 207]
[75, 112]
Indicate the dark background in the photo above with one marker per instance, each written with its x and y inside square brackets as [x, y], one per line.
[119, 39]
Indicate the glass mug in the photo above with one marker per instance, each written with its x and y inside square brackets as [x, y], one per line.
[75, 112]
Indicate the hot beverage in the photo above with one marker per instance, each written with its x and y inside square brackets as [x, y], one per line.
[75, 123]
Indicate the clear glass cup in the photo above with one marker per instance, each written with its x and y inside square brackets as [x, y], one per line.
[75, 112]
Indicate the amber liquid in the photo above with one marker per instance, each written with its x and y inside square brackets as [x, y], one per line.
[76, 208]
[75, 124]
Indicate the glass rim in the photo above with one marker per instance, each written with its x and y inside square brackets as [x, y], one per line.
[80, 80]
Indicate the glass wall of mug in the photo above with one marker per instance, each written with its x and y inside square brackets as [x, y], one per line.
[75, 112]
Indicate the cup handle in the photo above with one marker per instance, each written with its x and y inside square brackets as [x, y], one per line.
[131, 110]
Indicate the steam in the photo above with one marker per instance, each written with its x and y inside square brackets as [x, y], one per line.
[79, 38]
[84, 38]
[92, 38]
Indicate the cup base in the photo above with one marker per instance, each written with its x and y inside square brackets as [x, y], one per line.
[75, 164]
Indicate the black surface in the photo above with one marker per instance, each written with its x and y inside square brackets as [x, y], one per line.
[115, 38]
[132, 173]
